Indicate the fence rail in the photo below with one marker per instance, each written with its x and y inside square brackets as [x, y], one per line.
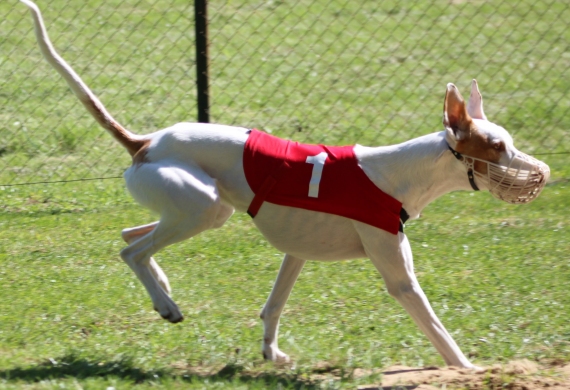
[335, 72]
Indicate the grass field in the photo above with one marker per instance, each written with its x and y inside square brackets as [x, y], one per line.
[72, 315]
[497, 276]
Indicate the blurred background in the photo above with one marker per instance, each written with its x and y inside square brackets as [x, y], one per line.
[319, 71]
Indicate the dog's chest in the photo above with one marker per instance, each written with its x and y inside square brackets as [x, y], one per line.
[308, 234]
[315, 177]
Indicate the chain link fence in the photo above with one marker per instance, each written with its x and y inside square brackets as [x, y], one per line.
[327, 71]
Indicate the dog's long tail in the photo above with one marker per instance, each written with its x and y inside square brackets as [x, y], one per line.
[132, 142]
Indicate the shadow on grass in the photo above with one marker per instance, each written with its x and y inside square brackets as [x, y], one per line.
[71, 366]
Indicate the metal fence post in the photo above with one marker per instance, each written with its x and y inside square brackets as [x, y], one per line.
[202, 83]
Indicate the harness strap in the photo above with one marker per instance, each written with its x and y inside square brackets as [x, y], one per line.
[264, 190]
[470, 174]
[259, 198]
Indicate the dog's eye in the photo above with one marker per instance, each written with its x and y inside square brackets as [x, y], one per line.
[498, 146]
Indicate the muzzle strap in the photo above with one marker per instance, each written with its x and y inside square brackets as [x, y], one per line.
[470, 174]
[471, 178]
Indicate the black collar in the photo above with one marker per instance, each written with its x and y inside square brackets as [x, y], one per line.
[403, 218]
[470, 175]
[404, 214]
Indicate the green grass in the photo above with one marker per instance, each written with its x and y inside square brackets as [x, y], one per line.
[73, 315]
[497, 276]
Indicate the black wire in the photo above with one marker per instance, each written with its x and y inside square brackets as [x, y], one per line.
[60, 181]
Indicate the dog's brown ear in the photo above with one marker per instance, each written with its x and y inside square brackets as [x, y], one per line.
[475, 105]
[455, 116]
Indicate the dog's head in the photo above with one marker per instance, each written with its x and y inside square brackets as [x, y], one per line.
[487, 150]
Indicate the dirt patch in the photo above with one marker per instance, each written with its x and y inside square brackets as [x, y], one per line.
[515, 375]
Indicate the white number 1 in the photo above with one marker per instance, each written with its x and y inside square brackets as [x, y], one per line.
[318, 162]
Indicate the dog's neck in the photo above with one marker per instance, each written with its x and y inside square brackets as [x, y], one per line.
[415, 172]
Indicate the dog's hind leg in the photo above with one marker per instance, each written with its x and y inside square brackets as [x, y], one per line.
[132, 234]
[139, 254]
[188, 202]
[288, 273]
[392, 256]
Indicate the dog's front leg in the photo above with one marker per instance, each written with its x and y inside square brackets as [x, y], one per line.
[288, 273]
[392, 256]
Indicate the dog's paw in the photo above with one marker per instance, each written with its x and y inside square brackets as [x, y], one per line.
[471, 368]
[171, 313]
[276, 356]
[478, 370]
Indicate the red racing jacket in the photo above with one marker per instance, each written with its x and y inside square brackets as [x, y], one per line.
[315, 177]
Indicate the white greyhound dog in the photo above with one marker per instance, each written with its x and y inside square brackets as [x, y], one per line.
[195, 176]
